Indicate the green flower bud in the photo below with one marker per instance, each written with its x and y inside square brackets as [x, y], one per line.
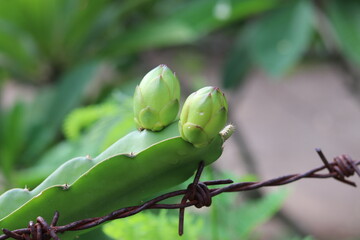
[156, 99]
[203, 115]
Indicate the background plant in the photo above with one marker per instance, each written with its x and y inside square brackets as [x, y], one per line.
[82, 59]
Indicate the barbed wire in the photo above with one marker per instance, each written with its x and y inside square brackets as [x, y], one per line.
[197, 194]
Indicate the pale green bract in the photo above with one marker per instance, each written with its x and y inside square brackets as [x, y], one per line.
[203, 115]
[156, 99]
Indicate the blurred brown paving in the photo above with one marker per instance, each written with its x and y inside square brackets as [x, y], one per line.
[283, 122]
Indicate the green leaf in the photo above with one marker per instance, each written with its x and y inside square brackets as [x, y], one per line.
[82, 118]
[37, 19]
[98, 234]
[345, 19]
[17, 51]
[302, 238]
[194, 20]
[281, 37]
[11, 139]
[257, 212]
[38, 39]
[147, 225]
[71, 90]
[68, 95]
[245, 217]
[238, 63]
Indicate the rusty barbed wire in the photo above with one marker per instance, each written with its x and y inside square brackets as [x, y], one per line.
[197, 194]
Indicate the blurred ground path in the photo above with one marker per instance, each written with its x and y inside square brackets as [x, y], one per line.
[283, 122]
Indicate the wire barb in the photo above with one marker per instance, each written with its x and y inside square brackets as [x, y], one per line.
[342, 166]
[197, 194]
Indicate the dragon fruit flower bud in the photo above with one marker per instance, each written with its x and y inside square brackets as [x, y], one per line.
[203, 116]
[156, 99]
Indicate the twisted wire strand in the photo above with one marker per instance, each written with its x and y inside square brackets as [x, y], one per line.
[197, 194]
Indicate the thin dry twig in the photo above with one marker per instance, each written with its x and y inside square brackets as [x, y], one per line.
[197, 194]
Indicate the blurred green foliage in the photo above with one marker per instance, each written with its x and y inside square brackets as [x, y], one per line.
[40, 40]
[278, 40]
[147, 225]
[345, 27]
[64, 49]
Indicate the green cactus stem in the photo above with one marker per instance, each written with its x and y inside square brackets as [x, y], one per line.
[136, 167]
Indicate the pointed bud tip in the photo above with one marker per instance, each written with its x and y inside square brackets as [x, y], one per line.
[163, 66]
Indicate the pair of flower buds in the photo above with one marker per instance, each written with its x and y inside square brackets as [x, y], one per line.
[157, 103]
